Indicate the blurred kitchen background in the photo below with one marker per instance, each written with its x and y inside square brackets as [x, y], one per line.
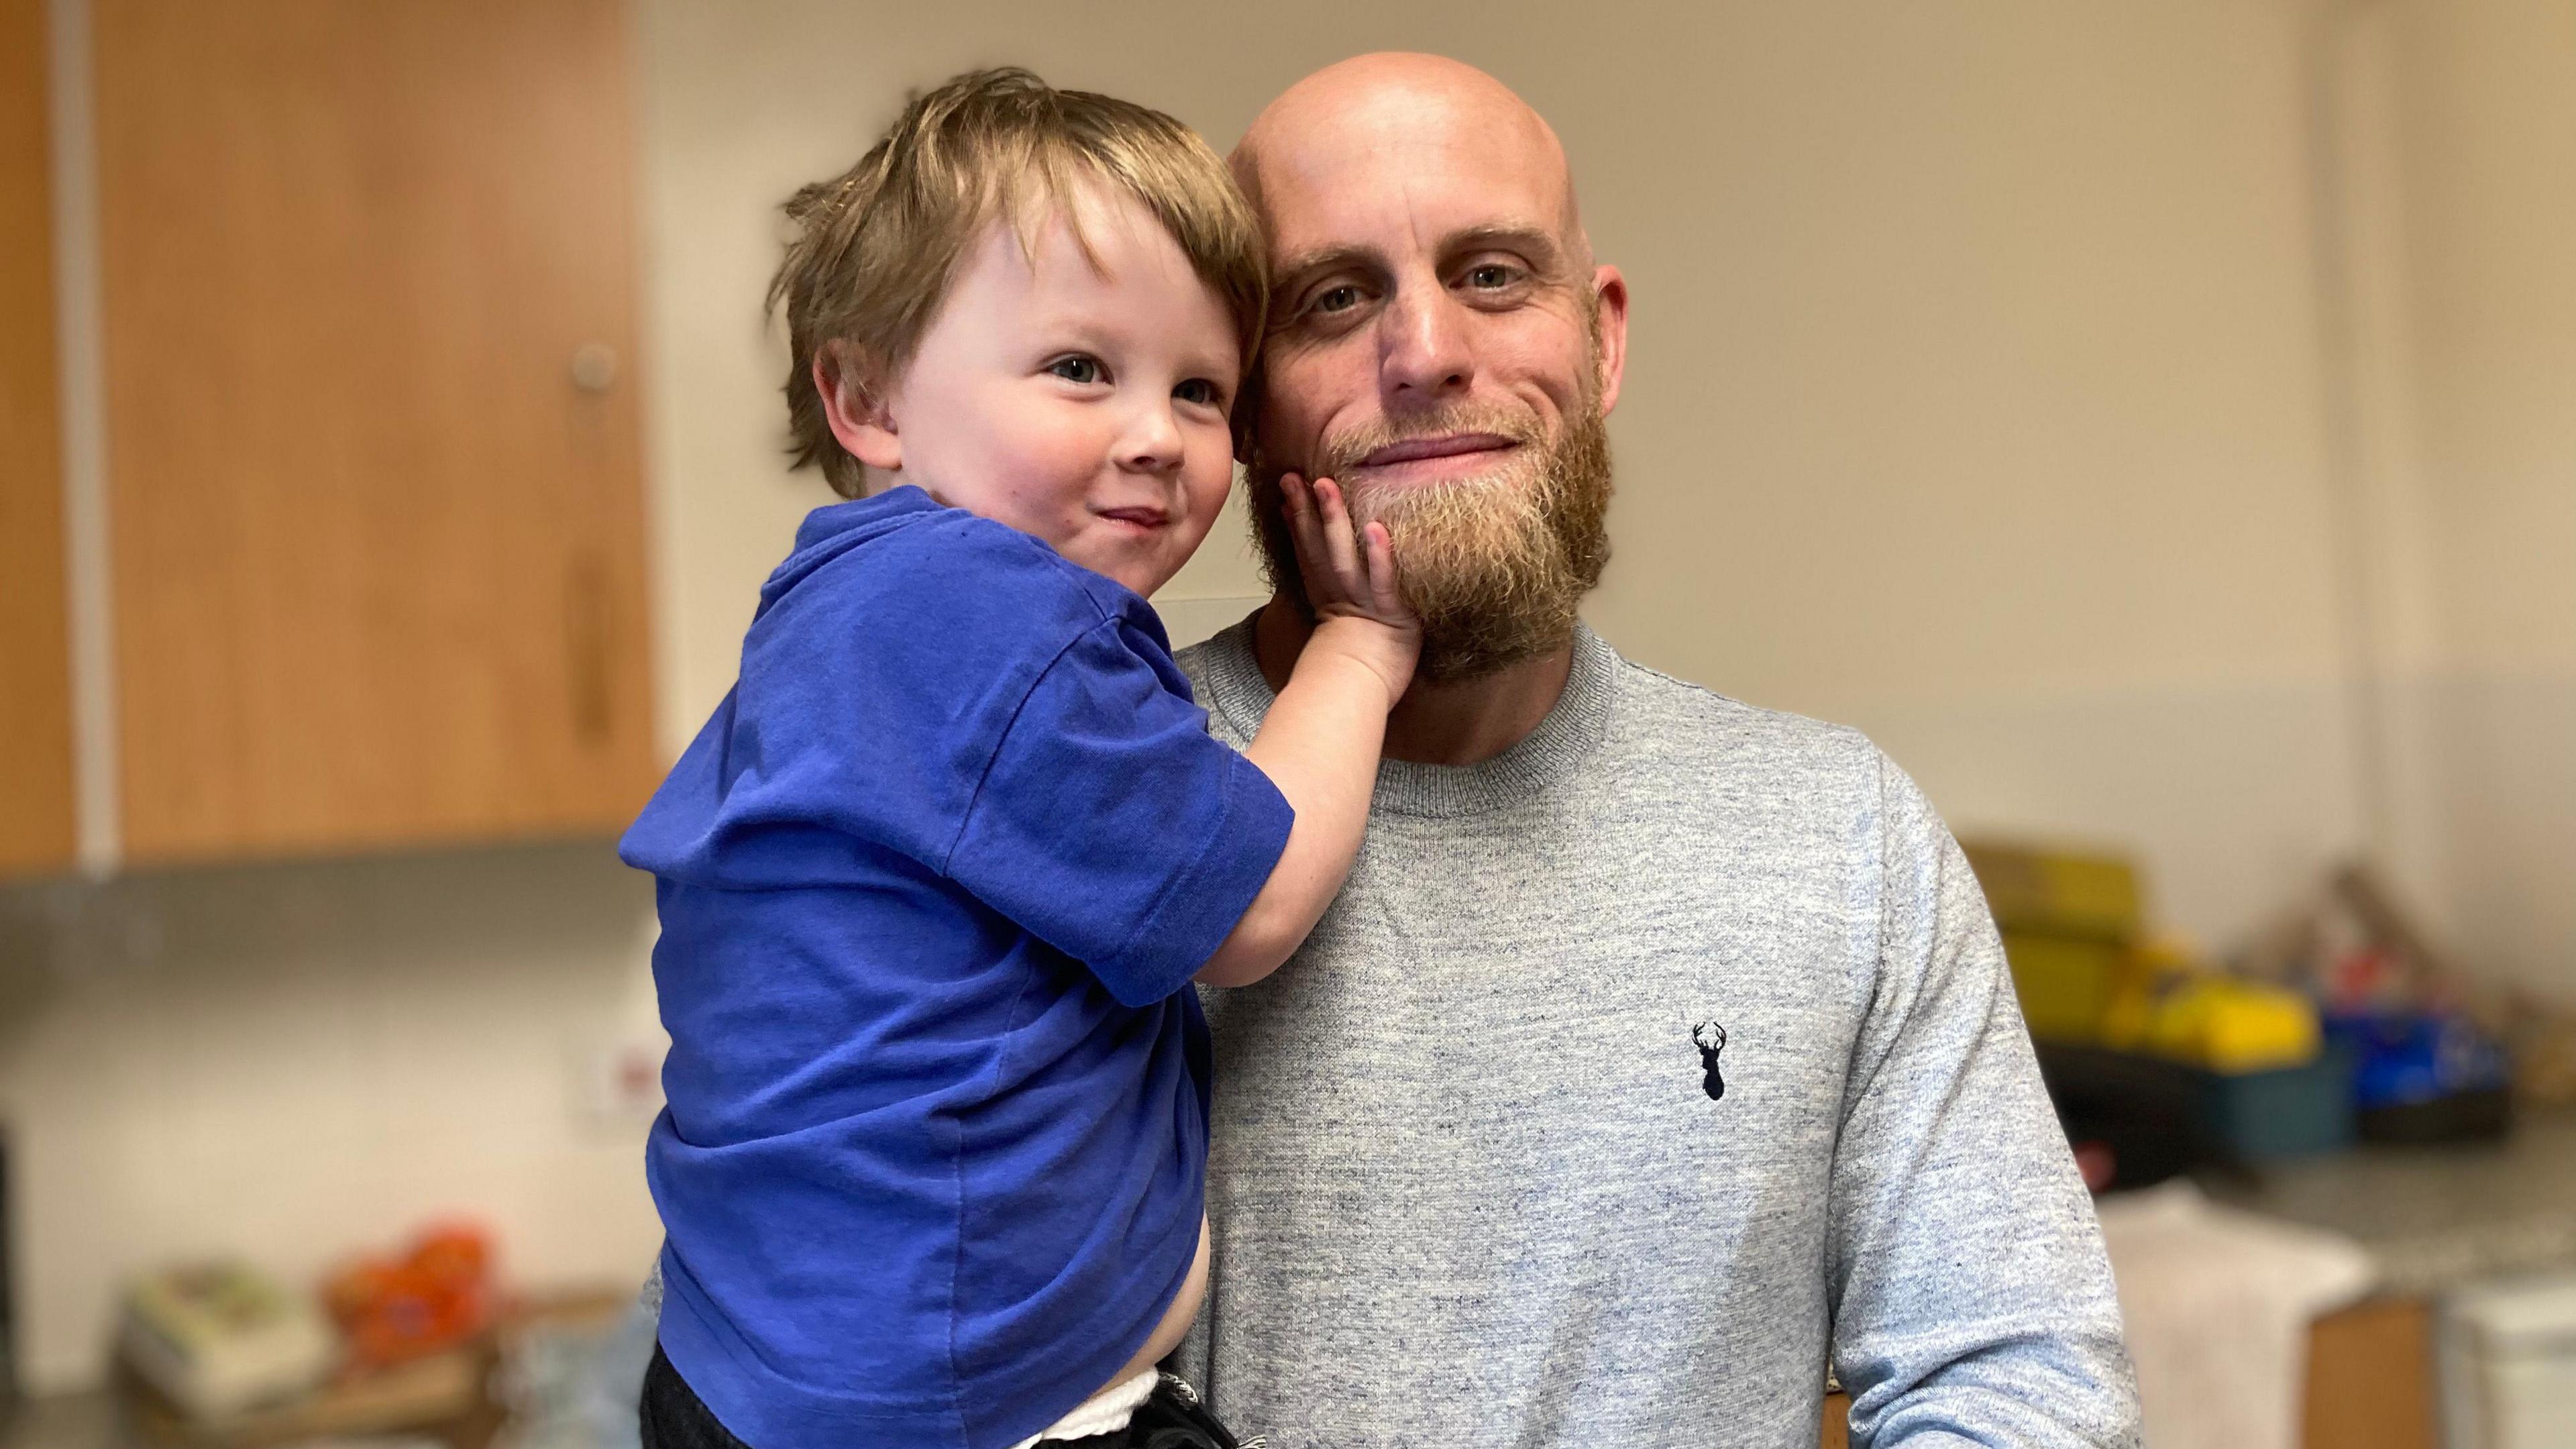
[2154, 422]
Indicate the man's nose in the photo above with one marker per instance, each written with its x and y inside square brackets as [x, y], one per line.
[1423, 349]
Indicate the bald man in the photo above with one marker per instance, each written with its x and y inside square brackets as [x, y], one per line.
[1660, 1054]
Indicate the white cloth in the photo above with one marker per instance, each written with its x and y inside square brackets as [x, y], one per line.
[2218, 1304]
[1104, 1412]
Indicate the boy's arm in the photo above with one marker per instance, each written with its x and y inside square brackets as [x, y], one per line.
[1320, 742]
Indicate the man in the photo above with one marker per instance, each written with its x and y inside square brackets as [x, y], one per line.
[1660, 1051]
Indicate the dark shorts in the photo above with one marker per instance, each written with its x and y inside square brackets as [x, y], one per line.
[675, 1418]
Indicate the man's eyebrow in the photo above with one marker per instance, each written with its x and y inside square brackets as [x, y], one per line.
[1536, 243]
[1321, 260]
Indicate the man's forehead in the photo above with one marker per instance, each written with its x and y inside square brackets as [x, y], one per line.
[1418, 146]
[1409, 196]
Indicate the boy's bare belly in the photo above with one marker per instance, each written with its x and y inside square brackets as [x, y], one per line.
[1176, 1322]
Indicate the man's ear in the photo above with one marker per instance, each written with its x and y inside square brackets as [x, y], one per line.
[1610, 332]
[854, 403]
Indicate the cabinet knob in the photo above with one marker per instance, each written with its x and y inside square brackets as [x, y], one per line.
[594, 366]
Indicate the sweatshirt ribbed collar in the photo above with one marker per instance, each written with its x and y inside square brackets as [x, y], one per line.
[1571, 731]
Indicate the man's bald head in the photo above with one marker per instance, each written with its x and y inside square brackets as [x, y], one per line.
[1402, 101]
[1441, 344]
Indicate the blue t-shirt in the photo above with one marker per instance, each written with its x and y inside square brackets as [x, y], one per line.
[933, 882]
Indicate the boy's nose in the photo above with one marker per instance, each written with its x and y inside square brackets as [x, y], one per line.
[1152, 443]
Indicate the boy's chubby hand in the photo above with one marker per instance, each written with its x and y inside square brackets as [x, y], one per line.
[1349, 573]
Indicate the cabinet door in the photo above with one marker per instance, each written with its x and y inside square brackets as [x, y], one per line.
[35, 670]
[2370, 1378]
[373, 482]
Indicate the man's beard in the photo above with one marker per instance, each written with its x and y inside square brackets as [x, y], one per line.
[1494, 565]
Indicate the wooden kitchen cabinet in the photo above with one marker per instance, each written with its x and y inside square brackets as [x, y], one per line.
[368, 289]
[2371, 1381]
[36, 803]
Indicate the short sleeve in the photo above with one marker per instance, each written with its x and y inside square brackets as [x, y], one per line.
[1111, 826]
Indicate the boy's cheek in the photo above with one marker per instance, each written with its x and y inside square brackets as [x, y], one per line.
[1207, 497]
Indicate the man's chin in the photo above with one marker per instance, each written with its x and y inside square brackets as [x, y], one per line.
[1494, 562]
[1472, 646]
[1496, 575]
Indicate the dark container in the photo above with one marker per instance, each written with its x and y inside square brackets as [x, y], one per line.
[2159, 1118]
[2288, 1112]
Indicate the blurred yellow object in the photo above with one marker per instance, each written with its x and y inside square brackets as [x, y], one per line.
[2154, 967]
[2057, 892]
[2087, 973]
[2067, 919]
[2066, 983]
[2234, 1026]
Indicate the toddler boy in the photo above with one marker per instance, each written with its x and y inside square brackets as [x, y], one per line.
[935, 879]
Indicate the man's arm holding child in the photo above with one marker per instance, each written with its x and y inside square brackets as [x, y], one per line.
[1320, 742]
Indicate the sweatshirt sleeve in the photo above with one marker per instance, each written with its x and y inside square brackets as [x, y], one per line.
[1972, 1299]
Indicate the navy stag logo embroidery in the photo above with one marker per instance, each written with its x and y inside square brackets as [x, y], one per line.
[1710, 1038]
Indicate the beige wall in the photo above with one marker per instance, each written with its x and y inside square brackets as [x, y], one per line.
[1977, 403]
[1976, 399]
[2488, 110]
[2483, 99]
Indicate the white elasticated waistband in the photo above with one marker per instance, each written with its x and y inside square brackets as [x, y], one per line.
[1103, 1412]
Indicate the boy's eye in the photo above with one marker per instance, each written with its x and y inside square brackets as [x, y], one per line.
[1076, 369]
[1201, 391]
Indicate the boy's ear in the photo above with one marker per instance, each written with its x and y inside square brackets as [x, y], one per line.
[854, 405]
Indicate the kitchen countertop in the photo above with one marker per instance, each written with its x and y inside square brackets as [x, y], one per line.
[2434, 1218]
[94, 1420]
[65, 1421]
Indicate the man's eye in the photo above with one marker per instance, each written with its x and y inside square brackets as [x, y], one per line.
[1489, 276]
[1200, 391]
[1337, 299]
[1077, 369]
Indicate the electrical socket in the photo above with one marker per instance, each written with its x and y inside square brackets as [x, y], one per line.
[618, 1079]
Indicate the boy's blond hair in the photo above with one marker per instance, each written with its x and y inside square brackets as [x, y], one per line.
[875, 248]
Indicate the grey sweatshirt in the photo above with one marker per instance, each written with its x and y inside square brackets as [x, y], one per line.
[1485, 1172]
